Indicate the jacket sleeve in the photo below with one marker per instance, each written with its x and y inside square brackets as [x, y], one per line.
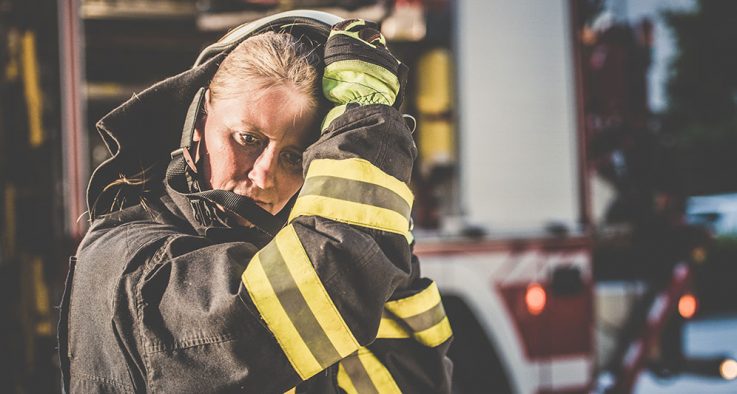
[410, 352]
[314, 295]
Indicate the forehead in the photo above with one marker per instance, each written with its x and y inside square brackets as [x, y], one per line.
[280, 113]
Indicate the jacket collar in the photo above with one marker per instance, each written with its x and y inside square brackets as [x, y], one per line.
[221, 229]
[142, 132]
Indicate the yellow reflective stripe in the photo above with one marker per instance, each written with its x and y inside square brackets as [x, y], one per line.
[391, 329]
[363, 373]
[344, 381]
[351, 213]
[416, 303]
[288, 294]
[357, 81]
[377, 372]
[359, 170]
[435, 335]
[358, 375]
[424, 313]
[314, 293]
[331, 116]
[271, 310]
[293, 390]
[355, 191]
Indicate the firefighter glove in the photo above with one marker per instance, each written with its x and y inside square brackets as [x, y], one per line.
[359, 69]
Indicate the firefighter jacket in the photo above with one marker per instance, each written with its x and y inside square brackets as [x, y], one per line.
[157, 301]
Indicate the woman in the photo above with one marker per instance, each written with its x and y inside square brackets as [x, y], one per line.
[203, 285]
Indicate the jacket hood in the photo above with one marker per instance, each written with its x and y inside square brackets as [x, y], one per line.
[142, 132]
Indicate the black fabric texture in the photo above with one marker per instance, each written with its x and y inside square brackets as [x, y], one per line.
[373, 132]
[342, 47]
[142, 132]
[414, 367]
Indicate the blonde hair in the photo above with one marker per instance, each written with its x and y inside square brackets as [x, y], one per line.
[269, 60]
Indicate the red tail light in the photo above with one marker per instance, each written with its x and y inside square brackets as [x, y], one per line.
[687, 306]
[535, 298]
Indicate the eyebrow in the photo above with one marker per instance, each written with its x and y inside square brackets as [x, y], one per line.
[244, 126]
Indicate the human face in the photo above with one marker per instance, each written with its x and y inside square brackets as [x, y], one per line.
[252, 144]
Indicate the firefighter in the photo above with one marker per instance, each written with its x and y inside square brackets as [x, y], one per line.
[244, 240]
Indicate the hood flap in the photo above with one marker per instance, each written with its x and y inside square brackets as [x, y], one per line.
[142, 132]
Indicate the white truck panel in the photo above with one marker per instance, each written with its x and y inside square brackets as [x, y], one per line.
[477, 278]
[468, 277]
[517, 114]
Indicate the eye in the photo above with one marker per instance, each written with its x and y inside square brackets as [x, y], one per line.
[248, 139]
[294, 159]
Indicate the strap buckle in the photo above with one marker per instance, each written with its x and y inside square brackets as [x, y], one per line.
[202, 210]
[184, 152]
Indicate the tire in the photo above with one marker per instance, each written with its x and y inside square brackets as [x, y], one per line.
[477, 367]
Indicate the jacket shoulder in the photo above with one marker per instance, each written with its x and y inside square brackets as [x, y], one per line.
[124, 233]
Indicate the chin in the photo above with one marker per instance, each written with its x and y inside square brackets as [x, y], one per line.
[268, 207]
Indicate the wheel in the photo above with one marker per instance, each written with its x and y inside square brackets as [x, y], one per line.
[476, 366]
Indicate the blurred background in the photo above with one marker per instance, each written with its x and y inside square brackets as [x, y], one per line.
[576, 189]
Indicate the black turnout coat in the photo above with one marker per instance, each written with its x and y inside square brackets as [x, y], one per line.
[157, 301]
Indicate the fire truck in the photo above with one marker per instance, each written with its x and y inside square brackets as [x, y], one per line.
[514, 264]
[514, 252]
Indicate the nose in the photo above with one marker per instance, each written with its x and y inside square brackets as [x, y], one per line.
[264, 168]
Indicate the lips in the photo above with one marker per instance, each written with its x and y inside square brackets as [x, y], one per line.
[256, 200]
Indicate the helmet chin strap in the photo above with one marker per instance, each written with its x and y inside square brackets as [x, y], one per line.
[183, 178]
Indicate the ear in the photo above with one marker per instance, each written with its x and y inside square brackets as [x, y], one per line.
[200, 126]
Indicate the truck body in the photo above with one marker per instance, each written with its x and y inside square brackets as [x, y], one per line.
[520, 297]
